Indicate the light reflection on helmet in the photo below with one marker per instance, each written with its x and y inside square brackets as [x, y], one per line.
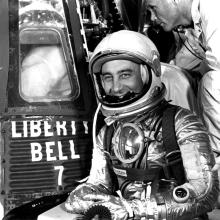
[136, 47]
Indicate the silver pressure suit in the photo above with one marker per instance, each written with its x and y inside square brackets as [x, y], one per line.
[158, 195]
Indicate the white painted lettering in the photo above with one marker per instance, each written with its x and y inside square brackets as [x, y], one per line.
[85, 123]
[48, 129]
[73, 126]
[60, 174]
[35, 128]
[61, 125]
[72, 149]
[13, 130]
[36, 152]
[61, 156]
[25, 128]
[49, 151]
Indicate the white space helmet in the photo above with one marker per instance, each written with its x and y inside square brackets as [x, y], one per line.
[136, 47]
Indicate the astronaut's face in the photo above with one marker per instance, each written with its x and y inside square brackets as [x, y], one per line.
[119, 77]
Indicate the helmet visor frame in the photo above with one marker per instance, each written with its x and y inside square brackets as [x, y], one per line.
[128, 98]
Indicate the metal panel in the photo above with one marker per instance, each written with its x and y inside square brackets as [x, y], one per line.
[4, 54]
[43, 156]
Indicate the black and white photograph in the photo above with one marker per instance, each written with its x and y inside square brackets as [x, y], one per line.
[110, 110]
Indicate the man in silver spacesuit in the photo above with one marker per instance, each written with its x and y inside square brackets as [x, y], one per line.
[134, 173]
